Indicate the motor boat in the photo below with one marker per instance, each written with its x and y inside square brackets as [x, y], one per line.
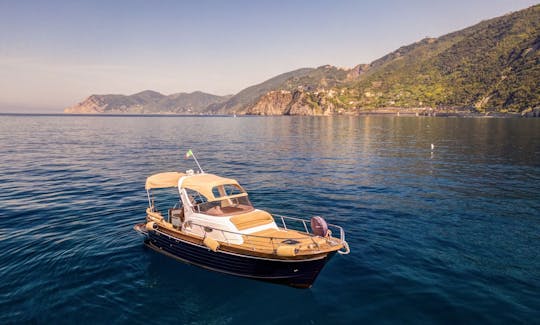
[208, 221]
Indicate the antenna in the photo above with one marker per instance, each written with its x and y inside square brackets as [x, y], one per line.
[191, 154]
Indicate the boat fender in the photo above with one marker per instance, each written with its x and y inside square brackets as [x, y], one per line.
[211, 243]
[319, 226]
[151, 226]
[286, 250]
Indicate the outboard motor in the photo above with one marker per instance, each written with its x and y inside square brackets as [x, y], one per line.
[319, 226]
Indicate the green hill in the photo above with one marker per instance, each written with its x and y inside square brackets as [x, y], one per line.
[493, 65]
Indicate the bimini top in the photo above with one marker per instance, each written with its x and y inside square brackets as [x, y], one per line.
[202, 183]
[162, 180]
[205, 183]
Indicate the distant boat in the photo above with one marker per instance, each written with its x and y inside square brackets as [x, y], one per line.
[214, 226]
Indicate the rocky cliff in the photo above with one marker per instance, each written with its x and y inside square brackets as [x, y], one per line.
[297, 102]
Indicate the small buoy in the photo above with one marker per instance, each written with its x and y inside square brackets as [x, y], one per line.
[432, 146]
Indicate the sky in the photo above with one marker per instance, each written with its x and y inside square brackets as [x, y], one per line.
[54, 54]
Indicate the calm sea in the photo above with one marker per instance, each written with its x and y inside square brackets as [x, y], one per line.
[448, 235]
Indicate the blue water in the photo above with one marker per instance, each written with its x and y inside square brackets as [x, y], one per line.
[446, 236]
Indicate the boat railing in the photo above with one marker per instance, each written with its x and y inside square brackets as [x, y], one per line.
[305, 228]
[331, 227]
[262, 242]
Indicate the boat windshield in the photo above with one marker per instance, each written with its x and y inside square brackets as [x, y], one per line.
[236, 203]
[227, 206]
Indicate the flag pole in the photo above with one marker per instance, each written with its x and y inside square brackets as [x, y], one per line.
[197, 162]
[191, 154]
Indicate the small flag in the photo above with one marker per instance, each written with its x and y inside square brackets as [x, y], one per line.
[189, 154]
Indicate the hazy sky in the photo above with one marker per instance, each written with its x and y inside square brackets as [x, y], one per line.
[56, 53]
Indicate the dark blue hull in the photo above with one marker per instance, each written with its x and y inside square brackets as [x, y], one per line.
[296, 273]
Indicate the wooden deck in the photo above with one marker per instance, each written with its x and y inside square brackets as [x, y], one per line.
[270, 240]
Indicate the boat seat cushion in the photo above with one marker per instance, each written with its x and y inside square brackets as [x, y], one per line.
[252, 219]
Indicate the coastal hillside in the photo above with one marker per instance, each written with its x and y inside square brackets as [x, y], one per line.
[493, 66]
[248, 96]
[147, 102]
[308, 80]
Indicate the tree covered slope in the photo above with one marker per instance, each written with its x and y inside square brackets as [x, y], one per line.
[493, 65]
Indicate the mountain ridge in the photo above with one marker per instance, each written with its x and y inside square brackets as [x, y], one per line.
[147, 102]
[492, 66]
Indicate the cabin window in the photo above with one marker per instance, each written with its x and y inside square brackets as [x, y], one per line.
[200, 202]
[223, 206]
[226, 190]
[241, 201]
[196, 197]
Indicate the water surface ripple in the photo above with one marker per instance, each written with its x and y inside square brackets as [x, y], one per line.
[449, 235]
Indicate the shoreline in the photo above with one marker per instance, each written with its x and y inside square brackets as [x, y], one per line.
[360, 114]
